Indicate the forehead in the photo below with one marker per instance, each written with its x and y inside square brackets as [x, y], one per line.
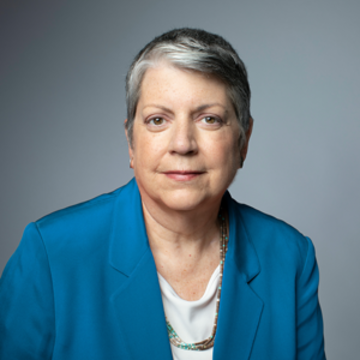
[165, 82]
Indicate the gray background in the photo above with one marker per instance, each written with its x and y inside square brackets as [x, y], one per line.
[62, 71]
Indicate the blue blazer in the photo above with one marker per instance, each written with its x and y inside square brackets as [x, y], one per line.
[83, 285]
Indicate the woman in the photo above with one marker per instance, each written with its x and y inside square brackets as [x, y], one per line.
[168, 266]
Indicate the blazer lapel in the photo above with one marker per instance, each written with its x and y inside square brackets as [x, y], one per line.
[138, 300]
[240, 308]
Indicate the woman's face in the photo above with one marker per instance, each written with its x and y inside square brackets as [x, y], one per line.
[185, 150]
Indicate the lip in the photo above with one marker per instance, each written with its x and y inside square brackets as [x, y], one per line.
[183, 175]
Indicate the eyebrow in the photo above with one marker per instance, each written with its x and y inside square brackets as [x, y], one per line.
[198, 109]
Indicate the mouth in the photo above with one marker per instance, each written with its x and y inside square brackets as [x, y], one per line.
[183, 175]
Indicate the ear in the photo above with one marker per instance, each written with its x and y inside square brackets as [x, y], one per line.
[130, 149]
[244, 150]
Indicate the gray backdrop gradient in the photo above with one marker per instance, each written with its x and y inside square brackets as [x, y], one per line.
[62, 71]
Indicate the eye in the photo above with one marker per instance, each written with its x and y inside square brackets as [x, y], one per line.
[211, 120]
[157, 121]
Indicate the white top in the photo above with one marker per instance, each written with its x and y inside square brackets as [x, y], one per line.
[192, 320]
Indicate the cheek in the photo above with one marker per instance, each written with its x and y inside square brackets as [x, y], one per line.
[147, 151]
[227, 151]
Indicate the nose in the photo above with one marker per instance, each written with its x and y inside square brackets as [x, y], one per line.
[183, 137]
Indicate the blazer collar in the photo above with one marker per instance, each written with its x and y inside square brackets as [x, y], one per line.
[241, 249]
[129, 239]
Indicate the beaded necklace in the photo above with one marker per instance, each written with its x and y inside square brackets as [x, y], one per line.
[209, 342]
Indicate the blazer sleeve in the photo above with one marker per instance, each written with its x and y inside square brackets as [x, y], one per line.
[310, 338]
[27, 323]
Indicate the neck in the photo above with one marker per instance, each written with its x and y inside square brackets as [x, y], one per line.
[181, 232]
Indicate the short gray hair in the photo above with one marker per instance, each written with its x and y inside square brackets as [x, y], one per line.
[194, 50]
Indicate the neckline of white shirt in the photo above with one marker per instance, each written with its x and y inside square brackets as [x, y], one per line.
[208, 291]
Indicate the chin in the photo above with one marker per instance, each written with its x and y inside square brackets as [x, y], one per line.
[186, 200]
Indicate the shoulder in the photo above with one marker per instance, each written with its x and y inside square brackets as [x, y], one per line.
[274, 240]
[267, 226]
[97, 207]
[84, 221]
